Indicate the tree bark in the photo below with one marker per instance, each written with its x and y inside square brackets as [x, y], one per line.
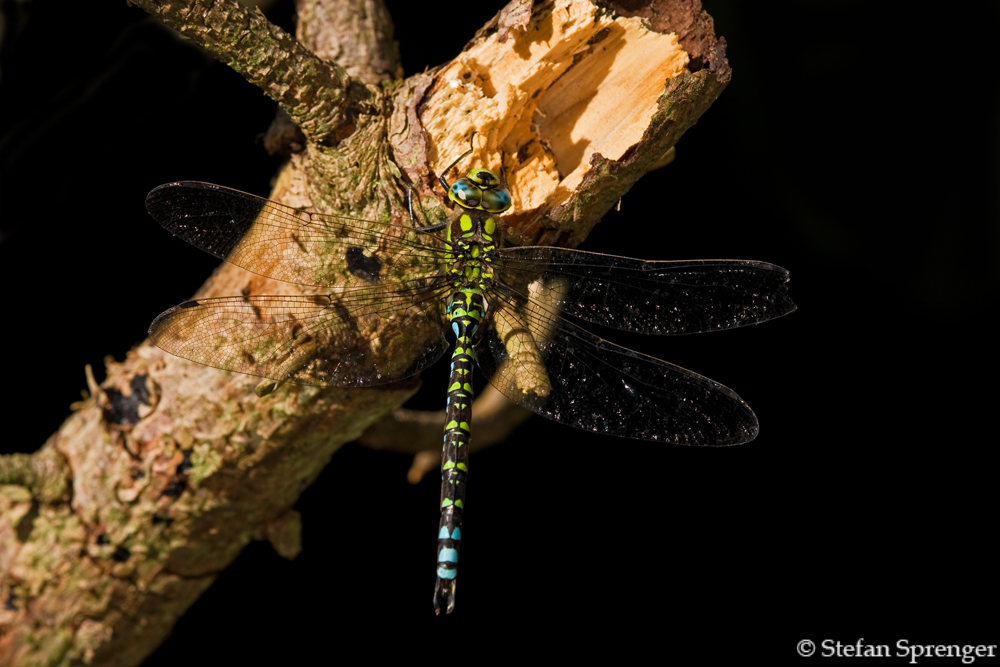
[167, 471]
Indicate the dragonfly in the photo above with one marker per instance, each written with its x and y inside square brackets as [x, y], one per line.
[378, 299]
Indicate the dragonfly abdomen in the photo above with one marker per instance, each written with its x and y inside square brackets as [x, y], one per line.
[465, 310]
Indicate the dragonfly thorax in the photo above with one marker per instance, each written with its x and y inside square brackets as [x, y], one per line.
[473, 240]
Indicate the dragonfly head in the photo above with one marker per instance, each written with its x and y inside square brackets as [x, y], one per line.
[480, 190]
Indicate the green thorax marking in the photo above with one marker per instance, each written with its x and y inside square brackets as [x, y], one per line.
[473, 239]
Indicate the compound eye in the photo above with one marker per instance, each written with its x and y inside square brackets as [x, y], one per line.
[465, 194]
[496, 201]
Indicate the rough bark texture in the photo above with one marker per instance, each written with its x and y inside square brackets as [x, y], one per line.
[158, 480]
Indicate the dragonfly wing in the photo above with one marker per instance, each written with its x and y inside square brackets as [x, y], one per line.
[277, 241]
[562, 372]
[358, 338]
[649, 297]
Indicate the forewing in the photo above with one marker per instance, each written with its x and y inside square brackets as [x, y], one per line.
[361, 337]
[562, 372]
[648, 297]
[277, 241]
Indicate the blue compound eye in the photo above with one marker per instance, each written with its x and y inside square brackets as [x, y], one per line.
[465, 194]
[496, 201]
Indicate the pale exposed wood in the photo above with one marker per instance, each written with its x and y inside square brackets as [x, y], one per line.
[526, 101]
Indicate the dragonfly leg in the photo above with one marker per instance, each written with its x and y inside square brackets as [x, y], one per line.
[451, 166]
[413, 218]
[503, 172]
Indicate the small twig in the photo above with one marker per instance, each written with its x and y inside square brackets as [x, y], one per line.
[494, 418]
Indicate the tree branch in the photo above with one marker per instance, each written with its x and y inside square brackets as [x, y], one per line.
[318, 95]
[175, 467]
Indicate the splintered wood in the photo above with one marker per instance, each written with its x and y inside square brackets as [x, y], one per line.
[524, 97]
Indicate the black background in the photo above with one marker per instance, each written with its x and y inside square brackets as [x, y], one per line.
[856, 146]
